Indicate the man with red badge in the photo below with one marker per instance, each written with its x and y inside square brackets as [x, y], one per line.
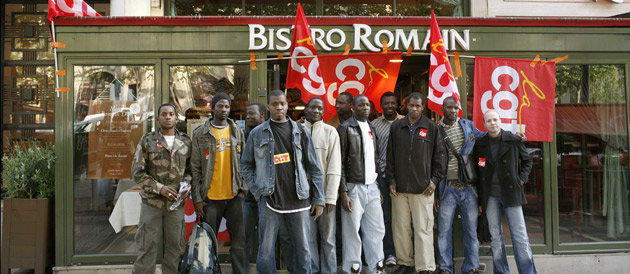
[416, 159]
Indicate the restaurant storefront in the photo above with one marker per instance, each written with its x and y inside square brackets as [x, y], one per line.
[120, 69]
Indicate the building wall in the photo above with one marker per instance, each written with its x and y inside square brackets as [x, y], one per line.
[137, 7]
[548, 8]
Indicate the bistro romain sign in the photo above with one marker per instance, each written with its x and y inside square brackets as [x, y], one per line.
[279, 39]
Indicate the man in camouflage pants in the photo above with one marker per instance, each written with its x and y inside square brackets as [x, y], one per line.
[161, 162]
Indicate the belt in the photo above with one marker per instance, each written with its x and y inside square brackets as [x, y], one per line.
[456, 184]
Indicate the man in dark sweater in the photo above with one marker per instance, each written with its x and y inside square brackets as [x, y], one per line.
[280, 166]
[504, 165]
[416, 160]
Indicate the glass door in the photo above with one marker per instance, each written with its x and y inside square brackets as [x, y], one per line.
[191, 85]
[113, 108]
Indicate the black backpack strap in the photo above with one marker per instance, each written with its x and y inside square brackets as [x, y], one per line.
[450, 144]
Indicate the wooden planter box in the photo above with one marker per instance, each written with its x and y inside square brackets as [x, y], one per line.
[27, 234]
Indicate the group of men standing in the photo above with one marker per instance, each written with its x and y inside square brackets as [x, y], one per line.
[286, 178]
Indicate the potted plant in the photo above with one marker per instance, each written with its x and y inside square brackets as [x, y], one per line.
[29, 182]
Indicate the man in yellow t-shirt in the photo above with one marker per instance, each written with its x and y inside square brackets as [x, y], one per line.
[217, 186]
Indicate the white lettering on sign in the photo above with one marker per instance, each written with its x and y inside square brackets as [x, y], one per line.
[279, 39]
[505, 102]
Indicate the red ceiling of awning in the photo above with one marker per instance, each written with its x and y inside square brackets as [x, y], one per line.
[592, 119]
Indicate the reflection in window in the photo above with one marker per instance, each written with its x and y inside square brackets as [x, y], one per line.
[328, 7]
[113, 108]
[192, 87]
[359, 8]
[592, 146]
[248, 7]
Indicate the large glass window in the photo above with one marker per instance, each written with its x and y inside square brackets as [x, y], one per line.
[113, 108]
[238, 7]
[592, 147]
[359, 8]
[320, 7]
[424, 7]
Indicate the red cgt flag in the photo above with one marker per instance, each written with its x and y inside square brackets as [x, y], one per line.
[441, 79]
[326, 76]
[69, 8]
[304, 73]
[522, 95]
[371, 74]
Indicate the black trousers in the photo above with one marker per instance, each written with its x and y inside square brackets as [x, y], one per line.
[232, 211]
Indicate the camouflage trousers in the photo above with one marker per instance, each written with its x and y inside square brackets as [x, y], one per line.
[157, 226]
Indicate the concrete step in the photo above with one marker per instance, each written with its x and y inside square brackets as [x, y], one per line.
[551, 264]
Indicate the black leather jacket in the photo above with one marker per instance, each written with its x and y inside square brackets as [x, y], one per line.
[352, 155]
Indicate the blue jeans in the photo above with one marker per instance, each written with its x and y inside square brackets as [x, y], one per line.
[520, 241]
[466, 200]
[366, 215]
[324, 260]
[250, 210]
[268, 227]
[388, 241]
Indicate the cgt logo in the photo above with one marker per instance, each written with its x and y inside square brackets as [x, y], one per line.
[423, 133]
[482, 162]
[281, 158]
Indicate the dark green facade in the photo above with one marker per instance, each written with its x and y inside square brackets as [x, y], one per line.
[595, 48]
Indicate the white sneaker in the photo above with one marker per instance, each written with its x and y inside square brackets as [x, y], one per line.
[391, 260]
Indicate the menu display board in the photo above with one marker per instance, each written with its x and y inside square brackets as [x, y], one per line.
[112, 141]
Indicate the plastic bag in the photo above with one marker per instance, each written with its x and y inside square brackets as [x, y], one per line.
[184, 187]
[201, 254]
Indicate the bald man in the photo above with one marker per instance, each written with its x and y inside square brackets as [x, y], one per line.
[503, 166]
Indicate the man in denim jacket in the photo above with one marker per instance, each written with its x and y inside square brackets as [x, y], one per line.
[277, 163]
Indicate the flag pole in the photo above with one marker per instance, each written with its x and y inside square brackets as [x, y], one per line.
[52, 24]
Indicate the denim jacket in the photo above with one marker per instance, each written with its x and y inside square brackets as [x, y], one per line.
[258, 169]
[471, 134]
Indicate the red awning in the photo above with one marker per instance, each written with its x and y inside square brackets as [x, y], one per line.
[593, 119]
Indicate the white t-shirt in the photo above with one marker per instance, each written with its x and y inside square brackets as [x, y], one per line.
[368, 153]
[169, 140]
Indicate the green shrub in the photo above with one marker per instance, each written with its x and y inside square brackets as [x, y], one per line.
[29, 171]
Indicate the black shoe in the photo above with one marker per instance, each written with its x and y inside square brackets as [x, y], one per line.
[403, 269]
[425, 272]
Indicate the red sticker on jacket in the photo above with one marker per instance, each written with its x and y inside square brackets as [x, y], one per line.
[207, 153]
[158, 144]
[482, 162]
[423, 133]
[371, 136]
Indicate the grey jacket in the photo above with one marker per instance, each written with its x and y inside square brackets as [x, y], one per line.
[202, 167]
[258, 166]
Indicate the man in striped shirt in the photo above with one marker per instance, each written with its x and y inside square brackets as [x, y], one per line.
[389, 104]
[453, 193]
